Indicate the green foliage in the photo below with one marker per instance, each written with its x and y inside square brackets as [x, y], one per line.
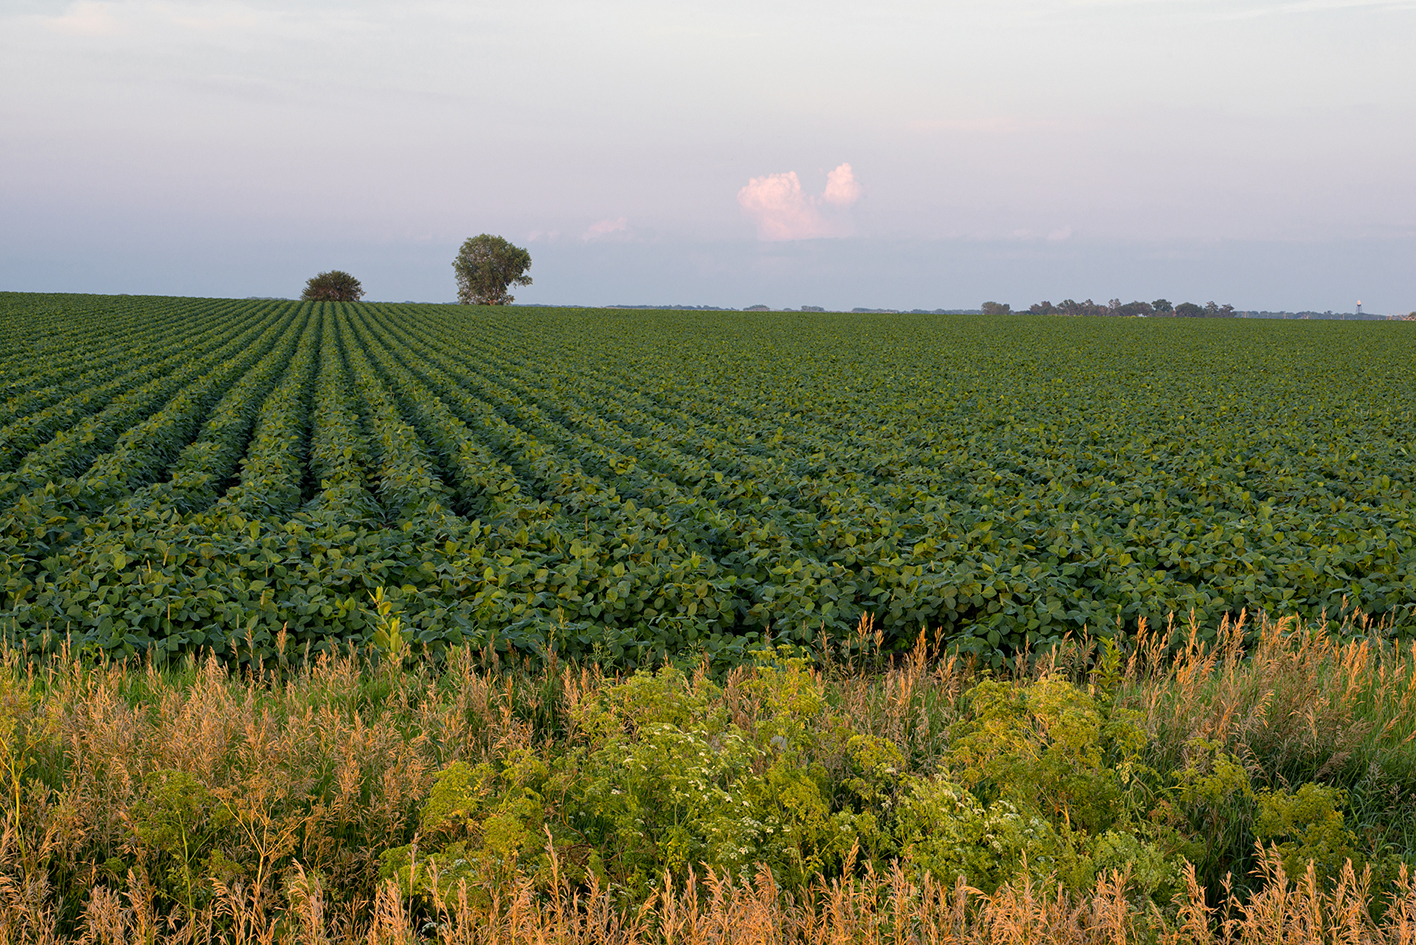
[668, 797]
[1225, 814]
[945, 830]
[1214, 804]
[1051, 747]
[1043, 777]
[1307, 826]
[1213, 782]
[332, 286]
[389, 638]
[659, 779]
[486, 266]
[1154, 871]
[175, 824]
[673, 783]
[481, 824]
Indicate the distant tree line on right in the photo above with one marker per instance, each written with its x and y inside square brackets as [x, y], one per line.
[1115, 308]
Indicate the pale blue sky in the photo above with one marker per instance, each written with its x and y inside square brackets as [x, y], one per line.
[1250, 151]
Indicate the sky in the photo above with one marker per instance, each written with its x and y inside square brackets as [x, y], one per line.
[903, 155]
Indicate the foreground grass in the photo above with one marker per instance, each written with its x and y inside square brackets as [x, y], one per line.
[1101, 795]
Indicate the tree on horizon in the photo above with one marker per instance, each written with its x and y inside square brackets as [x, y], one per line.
[486, 267]
[332, 286]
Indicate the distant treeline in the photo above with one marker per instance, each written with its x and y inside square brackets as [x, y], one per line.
[684, 308]
[1116, 308]
[1345, 316]
[1163, 307]
[804, 308]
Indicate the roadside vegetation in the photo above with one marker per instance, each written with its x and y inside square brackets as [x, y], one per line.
[1260, 787]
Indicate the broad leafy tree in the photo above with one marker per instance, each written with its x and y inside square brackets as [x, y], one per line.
[333, 286]
[487, 266]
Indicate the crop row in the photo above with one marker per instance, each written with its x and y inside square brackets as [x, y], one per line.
[87, 384]
[42, 368]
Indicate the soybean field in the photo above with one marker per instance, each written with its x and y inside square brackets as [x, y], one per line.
[262, 477]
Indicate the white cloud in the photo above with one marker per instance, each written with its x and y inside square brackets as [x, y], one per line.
[842, 189]
[605, 228]
[998, 124]
[783, 212]
[1313, 6]
[1060, 234]
[86, 18]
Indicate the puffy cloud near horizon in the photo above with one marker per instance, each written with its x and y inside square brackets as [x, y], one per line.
[605, 228]
[783, 212]
[842, 189]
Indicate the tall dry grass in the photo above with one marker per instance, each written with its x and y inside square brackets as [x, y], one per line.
[1294, 704]
[309, 771]
[1308, 701]
[870, 909]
